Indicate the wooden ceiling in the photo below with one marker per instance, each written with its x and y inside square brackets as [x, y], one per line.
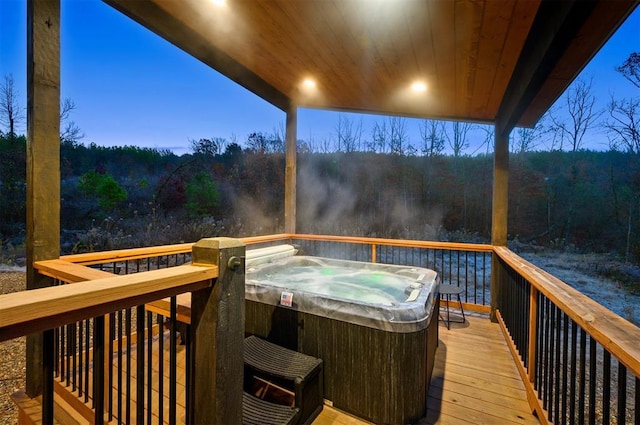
[479, 59]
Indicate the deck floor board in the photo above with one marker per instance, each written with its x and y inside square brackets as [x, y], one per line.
[474, 381]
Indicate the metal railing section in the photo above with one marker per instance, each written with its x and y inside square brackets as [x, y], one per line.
[463, 265]
[579, 360]
[102, 345]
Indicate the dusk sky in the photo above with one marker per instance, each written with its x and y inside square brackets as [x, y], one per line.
[131, 87]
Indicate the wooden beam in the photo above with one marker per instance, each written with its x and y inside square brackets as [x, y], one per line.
[216, 336]
[43, 158]
[553, 29]
[290, 171]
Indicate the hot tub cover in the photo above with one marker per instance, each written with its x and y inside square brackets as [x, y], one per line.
[381, 296]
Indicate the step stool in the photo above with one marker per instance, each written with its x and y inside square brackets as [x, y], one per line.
[300, 373]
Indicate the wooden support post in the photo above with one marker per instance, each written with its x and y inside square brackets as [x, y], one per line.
[217, 336]
[290, 171]
[500, 207]
[43, 158]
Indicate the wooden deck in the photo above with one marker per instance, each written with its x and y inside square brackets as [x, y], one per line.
[475, 381]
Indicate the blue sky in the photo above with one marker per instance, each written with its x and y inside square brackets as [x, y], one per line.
[131, 87]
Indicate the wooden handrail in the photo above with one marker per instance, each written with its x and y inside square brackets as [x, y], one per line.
[156, 251]
[617, 335]
[90, 258]
[50, 307]
[102, 257]
[454, 246]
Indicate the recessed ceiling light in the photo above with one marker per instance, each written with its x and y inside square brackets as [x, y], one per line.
[419, 87]
[219, 2]
[308, 82]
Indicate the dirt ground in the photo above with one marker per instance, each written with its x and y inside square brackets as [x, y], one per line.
[12, 355]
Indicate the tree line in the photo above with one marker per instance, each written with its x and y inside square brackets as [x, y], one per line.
[586, 199]
[376, 184]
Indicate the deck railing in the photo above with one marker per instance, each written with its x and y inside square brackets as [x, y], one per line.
[88, 319]
[579, 361]
[574, 355]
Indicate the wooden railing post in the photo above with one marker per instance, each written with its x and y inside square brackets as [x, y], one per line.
[217, 335]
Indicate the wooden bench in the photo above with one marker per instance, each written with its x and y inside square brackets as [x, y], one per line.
[298, 372]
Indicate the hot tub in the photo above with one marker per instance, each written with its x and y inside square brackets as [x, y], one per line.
[374, 326]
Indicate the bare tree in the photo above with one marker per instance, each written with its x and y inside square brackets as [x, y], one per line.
[69, 131]
[630, 69]
[526, 139]
[623, 124]
[278, 138]
[11, 113]
[457, 140]
[380, 135]
[581, 114]
[489, 139]
[397, 135]
[432, 135]
[349, 135]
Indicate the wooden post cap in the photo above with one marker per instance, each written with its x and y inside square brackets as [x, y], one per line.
[206, 251]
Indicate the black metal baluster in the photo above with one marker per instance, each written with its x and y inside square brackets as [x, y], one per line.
[98, 369]
[551, 363]
[87, 344]
[592, 380]
[583, 375]
[140, 363]
[475, 277]
[149, 365]
[80, 357]
[451, 267]
[574, 375]
[63, 351]
[74, 350]
[188, 376]
[173, 363]
[539, 346]
[606, 387]
[48, 365]
[622, 393]
[112, 337]
[56, 350]
[545, 356]
[637, 401]
[120, 371]
[128, 384]
[160, 321]
[565, 367]
[557, 376]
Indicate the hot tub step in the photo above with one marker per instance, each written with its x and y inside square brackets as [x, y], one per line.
[260, 412]
[301, 373]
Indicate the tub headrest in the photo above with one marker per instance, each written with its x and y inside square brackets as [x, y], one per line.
[269, 254]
